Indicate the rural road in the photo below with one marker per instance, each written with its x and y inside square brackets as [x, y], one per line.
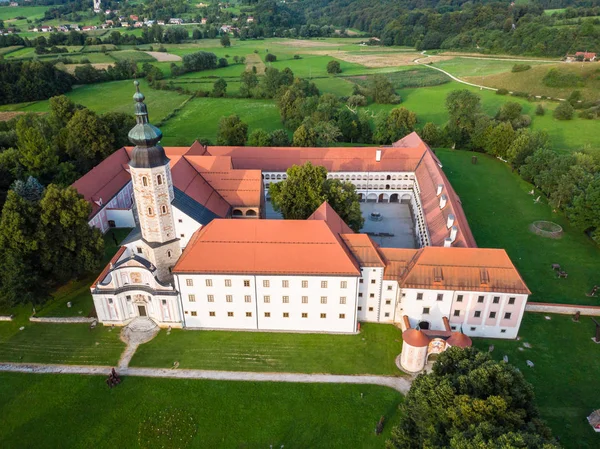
[400, 384]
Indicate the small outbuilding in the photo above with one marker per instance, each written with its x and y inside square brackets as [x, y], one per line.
[594, 420]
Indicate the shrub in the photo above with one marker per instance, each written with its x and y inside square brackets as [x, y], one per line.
[502, 92]
[556, 78]
[564, 111]
[296, 56]
[540, 110]
[334, 67]
[356, 100]
[520, 68]
[84, 60]
[520, 94]
[270, 57]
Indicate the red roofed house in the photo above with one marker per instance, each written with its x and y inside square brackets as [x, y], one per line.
[586, 56]
[203, 255]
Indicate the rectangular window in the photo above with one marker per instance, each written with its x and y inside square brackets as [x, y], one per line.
[247, 298]
[246, 283]
[305, 315]
[180, 220]
[210, 298]
[344, 284]
[266, 283]
[343, 300]
[360, 295]
[359, 308]
[305, 300]
[304, 284]
[480, 299]
[323, 284]
[267, 299]
[285, 284]
[503, 331]
[361, 281]
[496, 300]
[457, 313]
[492, 314]
[229, 313]
[440, 297]
[249, 314]
[229, 298]
[477, 314]
[128, 298]
[370, 309]
[194, 313]
[388, 302]
[286, 299]
[110, 300]
[342, 316]
[371, 295]
[286, 315]
[182, 235]
[323, 299]
[459, 298]
[209, 282]
[267, 314]
[323, 315]
[211, 314]
[473, 328]
[425, 310]
[419, 296]
[507, 315]
[227, 282]
[390, 287]
[453, 328]
[387, 314]
[139, 250]
[189, 282]
[511, 301]
[192, 298]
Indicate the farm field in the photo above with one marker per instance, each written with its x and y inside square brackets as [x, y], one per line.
[373, 351]
[566, 366]
[479, 66]
[500, 211]
[80, 411]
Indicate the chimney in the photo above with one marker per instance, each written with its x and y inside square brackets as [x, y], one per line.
[447, 242]
[453, 233]
[440, 187]
[450, 221]
[443, 200]
[378, 156]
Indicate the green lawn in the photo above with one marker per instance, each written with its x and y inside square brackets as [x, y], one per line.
[31, 12]
[66, 411]
[59, 343]
[500, 211]
[478, 67]
[334, 85]
[373, 351]
[199, 119]
[565, 375]
[137, 56]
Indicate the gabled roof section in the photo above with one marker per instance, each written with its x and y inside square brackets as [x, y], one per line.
[462, 269]
[397, 261]
[326, 213]
[266, 247]
[192, 208]
[363, 249]
[109, 266]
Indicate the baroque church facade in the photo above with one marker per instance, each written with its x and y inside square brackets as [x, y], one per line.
[202, 255]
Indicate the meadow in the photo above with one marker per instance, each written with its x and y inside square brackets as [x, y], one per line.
[478, 67]
[81, 411]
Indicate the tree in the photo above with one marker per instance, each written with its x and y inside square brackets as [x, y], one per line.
[327, 133]
[564, 111]
[470, 401]
[270, 57]
[259, 138]
[304, 137]
[249, 81]
[334, 67]
[62, 110]
[382, 90]
[500, 139]
[280, 138]
[119, 125]
[232, 131]
[307, 187]
[539, 110]
[392, 127]
[584, 213]
[88, 139]
[463, 107]
[37, 152]
[225, 41]
[30, 190]
[432, 134]
[219, 88]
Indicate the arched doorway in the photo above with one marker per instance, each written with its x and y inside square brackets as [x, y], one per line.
[394, 198]
[372, 198]
[237, 213]
[424, 325]
[383, 198]
[405, 199]
[250, 213]
[361, 197]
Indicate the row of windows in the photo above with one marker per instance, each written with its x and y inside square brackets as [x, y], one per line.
[266, 283]
[159, 180]
[473, 329]
[476, 314]
[163, 210]
[459, 298]
[266, 299]
[268, 314]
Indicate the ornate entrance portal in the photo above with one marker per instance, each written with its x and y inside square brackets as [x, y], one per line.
[142, 310]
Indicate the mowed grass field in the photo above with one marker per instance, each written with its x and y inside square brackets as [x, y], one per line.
[564, 375]
[500, 210]
[373, 351]
[478, 67]
[67, 411]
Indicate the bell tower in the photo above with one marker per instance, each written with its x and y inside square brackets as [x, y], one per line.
[153, 192]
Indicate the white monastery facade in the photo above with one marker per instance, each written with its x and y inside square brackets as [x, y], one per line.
[203, 255]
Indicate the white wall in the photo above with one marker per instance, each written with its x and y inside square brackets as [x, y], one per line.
[123, 218]
[184, 225]
[414, 308]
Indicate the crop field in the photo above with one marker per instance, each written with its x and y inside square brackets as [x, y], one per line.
[7, 14]
[479, 67]
[137, 56]
[409, 77]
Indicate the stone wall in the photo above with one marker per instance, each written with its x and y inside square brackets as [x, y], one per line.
[70, 319]
[563, 309]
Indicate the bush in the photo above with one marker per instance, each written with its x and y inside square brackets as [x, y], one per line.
[84, 60]
[270, 57]
[540, 110]
[296, 56]
[502, 92]
[356, 100]
[520, 68]
[334, 67]
[520, 94]
[556, 78]
[564, 111]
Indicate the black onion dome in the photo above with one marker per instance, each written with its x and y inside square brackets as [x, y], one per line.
[147, 152]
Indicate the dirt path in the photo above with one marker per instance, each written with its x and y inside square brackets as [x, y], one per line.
[253, 59]
[163, 57]
[401, 384]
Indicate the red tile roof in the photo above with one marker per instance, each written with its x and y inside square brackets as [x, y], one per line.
[109, 266]
[326, 213]
[363, 249]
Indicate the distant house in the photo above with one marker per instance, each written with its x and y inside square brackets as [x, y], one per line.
[225, 28]
[45, 29]
[109, 22]
[138, 24]
[134, 18]
[250, 19]
[203, 21]
[124, 24]
[161, 22]
[175, 21]
[88, 28]
[587, 56]
[13, 4]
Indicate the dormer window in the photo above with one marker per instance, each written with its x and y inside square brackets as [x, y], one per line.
[144, 181]
[159, 180]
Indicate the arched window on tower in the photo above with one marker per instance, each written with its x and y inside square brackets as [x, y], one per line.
[163, 209]
[169, 253]
[150, 212]
[159, 179]
[144, 181]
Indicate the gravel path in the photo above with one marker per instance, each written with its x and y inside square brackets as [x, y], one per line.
[164, 57]
[400, 384]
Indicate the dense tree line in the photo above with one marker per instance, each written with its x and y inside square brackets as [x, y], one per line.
[32, 80]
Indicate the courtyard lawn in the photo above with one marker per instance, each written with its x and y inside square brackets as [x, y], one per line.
[500, 211]
[199, 119]
[565, 372]
[75, 344]
[373, 351]
[70, 411]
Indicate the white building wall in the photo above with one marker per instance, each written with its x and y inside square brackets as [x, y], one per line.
[416, 309]
[123, 218]
[389, 301]
[185, 226]
[369, 293]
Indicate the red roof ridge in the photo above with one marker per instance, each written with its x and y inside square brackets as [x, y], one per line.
[109, 265]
